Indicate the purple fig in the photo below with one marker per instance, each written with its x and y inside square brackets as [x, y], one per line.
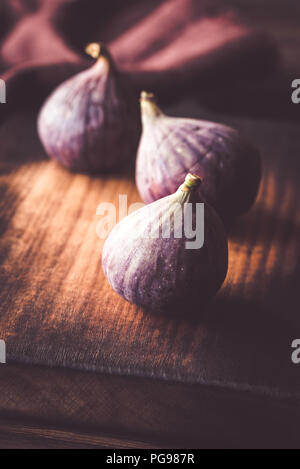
[170, 147]
[91, 122]
[170, 256]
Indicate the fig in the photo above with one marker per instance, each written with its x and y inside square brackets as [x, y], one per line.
[91, 121]
[171, 256]
[170, 147]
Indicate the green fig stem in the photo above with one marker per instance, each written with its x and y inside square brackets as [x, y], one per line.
[192, 181]
[149, 105]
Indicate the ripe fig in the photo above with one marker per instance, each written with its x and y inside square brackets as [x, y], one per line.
[170, 256]
[91, 122]
[170, 147]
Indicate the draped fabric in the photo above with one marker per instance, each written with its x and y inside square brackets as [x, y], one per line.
[173, 47]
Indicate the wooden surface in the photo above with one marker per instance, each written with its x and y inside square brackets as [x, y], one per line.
[57, 308]
[16, 436]
[68, 404]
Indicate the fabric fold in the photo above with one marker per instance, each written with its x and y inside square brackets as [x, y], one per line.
[174, 47]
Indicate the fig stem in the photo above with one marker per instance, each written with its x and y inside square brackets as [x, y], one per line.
[145, 96]
[94, 49]
[98, 51]
[148, 105]
[192, 181]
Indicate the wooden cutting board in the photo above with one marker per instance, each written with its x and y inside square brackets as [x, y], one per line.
[57, 309]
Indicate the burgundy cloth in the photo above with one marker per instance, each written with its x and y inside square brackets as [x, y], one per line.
[168, 46]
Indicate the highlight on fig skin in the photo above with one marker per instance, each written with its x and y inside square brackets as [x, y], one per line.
[170, 147]
[158, 273]
[91, 122]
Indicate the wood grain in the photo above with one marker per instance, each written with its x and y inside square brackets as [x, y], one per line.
[14, 436]
[65, 405]
[58, 310]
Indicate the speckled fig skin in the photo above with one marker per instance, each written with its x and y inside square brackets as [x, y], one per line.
[91, 122]
[161, 274]
[170, 147]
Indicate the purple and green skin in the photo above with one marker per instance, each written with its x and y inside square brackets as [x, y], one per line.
[161, 274]
[170, 147]
[90, 122]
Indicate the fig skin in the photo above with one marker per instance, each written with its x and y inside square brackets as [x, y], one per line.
[91, 122]
[161, 274]
[170, 147]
